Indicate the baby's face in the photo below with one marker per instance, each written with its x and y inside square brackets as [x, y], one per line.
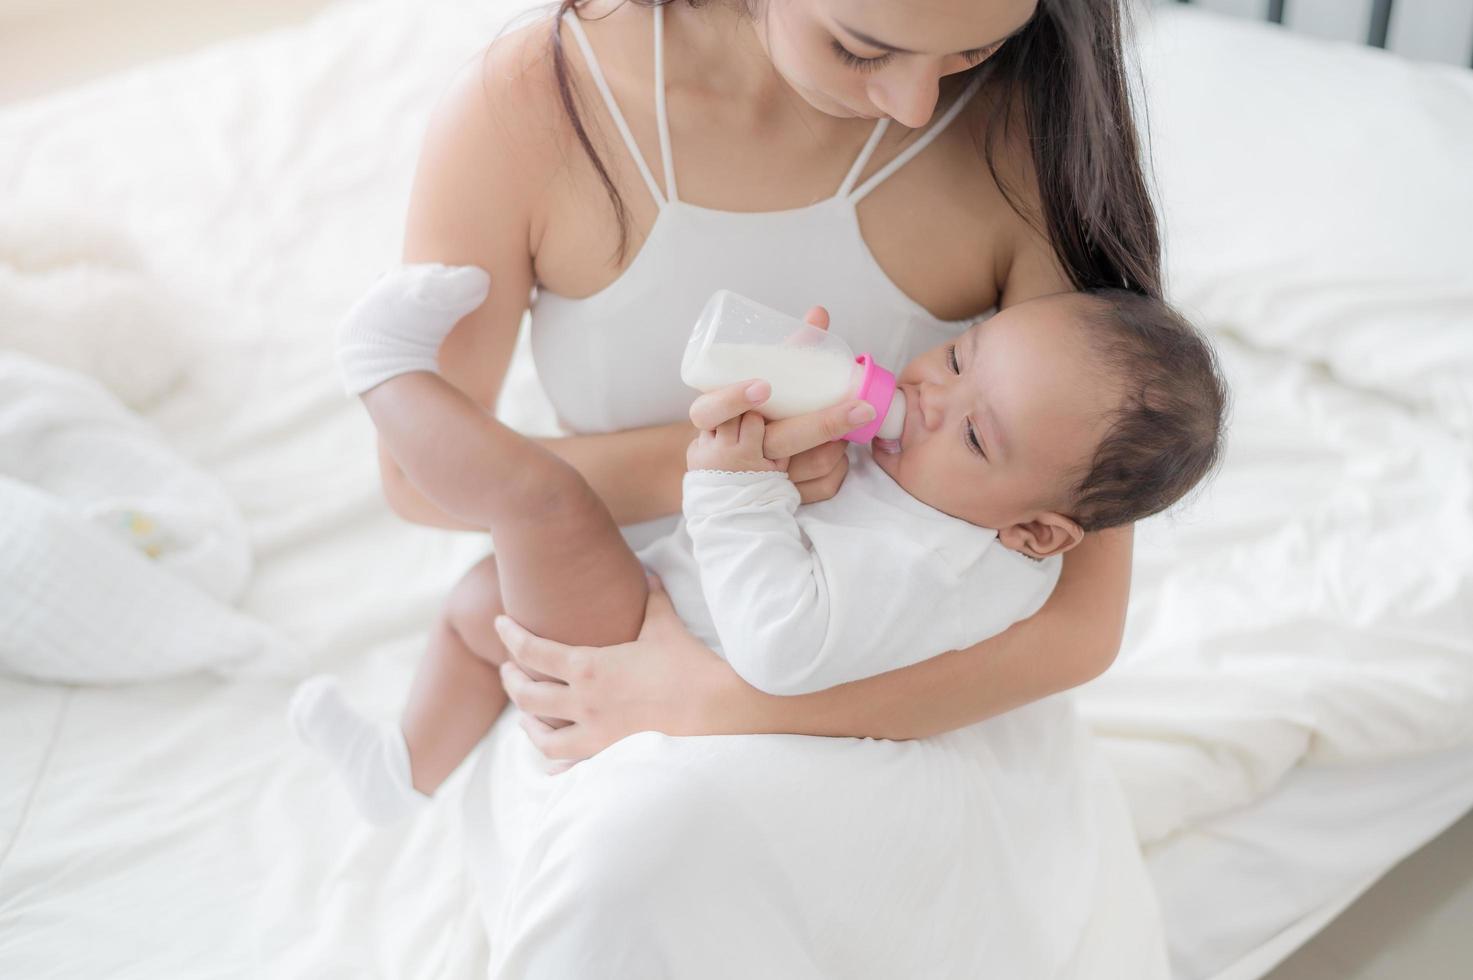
[1003, 421]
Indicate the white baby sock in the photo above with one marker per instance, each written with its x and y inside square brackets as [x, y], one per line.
[371, 759]
[400, 324]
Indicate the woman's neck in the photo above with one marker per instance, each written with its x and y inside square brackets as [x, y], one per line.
[713, 52]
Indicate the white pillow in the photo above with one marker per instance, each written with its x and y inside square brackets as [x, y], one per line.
[1318, 201]
[119, 561]
[78, 294]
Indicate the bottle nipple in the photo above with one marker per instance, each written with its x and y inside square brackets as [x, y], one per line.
[894, 423]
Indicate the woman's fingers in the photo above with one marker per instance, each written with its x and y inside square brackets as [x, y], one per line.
[547, 656]
[818, 317]
[547, 698]
[715, 407]
[555, 743]
[789, 437]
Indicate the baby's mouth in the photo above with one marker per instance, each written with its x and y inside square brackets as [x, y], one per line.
[894, 446]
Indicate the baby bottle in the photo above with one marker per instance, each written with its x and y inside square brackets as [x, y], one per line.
[808, 368]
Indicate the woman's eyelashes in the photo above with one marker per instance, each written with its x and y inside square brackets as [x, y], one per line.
[973, 58]
[976, 57]
[951, 359]
[858, 63]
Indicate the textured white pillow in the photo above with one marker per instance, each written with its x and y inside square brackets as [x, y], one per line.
[119, 561]
[1318, 201]
[78, 294]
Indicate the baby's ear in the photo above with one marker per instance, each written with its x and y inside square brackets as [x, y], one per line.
[1047, 534]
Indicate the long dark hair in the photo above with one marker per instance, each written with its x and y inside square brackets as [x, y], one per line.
[1066, 73]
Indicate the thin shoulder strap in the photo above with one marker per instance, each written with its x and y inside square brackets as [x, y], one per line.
[661, 116]
[603, 87]
[862, 161]
[927, 137]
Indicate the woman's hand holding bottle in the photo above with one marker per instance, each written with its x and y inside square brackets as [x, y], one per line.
[817, 462]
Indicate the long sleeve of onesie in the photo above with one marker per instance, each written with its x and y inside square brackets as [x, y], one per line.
[801, 604]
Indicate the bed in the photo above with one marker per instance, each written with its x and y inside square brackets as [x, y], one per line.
[1293, 710]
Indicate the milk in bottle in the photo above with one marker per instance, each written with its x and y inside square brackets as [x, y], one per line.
[808, 368]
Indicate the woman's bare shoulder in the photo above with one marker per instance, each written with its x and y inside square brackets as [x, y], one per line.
[495, 141]
[503, 104]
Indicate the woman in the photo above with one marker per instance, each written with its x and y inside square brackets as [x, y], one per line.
[626, 161]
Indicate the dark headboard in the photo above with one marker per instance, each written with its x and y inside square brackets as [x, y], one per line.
[1435, 30]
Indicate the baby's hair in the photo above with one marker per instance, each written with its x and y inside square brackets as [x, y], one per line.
[1167, 436]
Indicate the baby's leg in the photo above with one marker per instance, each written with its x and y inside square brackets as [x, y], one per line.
[565, 570]
[390, 771]
[457, 693]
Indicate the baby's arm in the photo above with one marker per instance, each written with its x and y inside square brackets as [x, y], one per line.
[767, 584]
[803, 607]
[796, 615]
[806, 607]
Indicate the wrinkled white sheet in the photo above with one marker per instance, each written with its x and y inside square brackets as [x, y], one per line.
[1311, 608]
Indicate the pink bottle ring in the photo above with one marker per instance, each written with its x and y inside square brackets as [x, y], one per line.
[877, 387]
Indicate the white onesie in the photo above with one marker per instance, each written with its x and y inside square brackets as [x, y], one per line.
[802, 598]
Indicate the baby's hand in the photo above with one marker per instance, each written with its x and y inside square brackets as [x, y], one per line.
[735, 446]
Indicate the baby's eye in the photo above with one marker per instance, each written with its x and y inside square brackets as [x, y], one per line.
[973, 443]
[951, 359]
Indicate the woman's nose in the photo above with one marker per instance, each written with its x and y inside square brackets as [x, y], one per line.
[908, 98]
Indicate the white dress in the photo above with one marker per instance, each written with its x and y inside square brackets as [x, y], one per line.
[999, 850]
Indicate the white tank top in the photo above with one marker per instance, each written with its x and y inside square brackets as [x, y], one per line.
[611, 361]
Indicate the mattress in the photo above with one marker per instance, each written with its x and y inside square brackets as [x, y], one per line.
[1290, 715]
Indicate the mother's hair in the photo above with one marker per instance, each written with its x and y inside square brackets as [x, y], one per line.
[1064, 72]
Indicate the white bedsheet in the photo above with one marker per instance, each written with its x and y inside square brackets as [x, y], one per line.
[1310, 610]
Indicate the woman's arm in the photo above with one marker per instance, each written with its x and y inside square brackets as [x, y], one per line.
[1071, 640]
[487, 158]
[669, 681]
[637, 474]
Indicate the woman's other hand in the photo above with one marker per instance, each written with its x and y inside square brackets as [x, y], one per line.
[817, 463]
[666, 680]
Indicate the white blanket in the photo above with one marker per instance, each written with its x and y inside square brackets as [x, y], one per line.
[1300, 611]
[1316, 604]
[119, 561]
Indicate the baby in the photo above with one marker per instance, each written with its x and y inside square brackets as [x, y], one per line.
[1053, 418]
